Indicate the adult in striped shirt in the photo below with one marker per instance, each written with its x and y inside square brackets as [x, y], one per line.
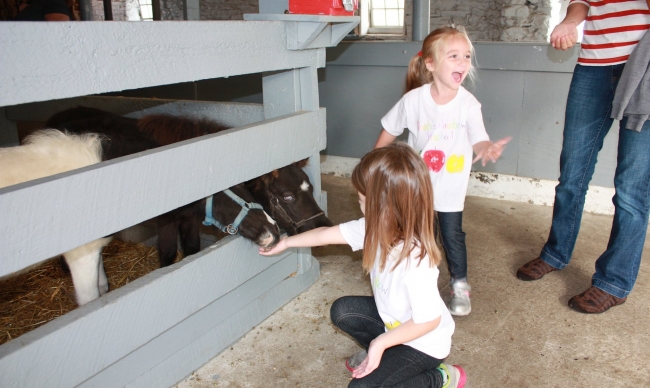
[611, 31]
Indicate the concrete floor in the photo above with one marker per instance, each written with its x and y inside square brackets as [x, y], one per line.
[519, 334]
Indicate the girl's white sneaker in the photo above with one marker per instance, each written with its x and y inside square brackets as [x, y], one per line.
[460, 304]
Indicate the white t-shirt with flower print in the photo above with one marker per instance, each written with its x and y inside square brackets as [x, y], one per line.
[443, 135]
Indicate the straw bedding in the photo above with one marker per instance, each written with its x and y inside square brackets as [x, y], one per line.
[32, 299]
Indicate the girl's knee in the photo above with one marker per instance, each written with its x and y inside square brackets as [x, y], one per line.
[358, 383]
[337, 309]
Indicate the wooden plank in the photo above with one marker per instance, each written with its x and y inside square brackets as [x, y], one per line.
[232, 114]
[84, 342]
[185, 347]
[41, 63]
[281, 93]
[265, 305]
[310, 31]
[102, 199]
[290, 91]
[309, 99]
[516, 56]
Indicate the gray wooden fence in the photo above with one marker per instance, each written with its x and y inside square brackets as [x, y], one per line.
[156, 330]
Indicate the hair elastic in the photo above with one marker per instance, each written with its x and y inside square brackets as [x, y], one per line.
[419, 53]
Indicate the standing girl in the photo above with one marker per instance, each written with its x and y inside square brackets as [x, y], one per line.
[405, 329]
[445, 125]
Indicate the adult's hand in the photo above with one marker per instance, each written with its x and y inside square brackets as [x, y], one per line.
[564, 35]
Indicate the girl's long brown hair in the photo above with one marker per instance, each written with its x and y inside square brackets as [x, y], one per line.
[433, 47]
[399, 205]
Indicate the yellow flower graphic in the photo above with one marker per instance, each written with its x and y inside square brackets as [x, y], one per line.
[392, 325]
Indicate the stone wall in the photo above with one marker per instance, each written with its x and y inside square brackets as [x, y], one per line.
[496, 20]
[485, 20]
[227, 9]
[129, 10]
[171, 9]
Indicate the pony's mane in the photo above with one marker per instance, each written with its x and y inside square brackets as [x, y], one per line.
[48, 152]
[166, 129]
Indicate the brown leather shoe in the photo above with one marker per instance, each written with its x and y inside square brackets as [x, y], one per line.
[534, 270]
[594, 301]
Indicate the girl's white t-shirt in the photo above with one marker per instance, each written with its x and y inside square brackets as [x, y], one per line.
[408, 291]
[443, 135]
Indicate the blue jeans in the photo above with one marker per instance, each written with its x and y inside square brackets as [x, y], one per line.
[587, 121]
[401, 365]
[450, 225]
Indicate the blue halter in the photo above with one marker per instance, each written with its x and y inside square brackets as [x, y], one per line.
[234, 227]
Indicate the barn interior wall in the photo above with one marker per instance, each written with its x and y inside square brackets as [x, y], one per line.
[353, 122]
[493, 20]
[522, 88]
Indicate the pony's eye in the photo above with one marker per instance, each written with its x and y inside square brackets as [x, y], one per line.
[287, 197]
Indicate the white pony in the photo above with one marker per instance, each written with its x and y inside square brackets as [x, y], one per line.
[49, 152]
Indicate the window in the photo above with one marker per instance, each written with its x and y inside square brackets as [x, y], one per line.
[146, 9]
[382, 17]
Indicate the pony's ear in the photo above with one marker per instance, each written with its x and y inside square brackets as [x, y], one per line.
[255, 185]
[302, 163]
[269, 177]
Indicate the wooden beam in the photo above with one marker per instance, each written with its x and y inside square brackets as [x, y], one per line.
[38, 63]
[102, 199]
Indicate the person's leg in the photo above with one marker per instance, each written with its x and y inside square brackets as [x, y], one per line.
[358, 317]
[450, 225]
[587, 121]
[402, 366]
[618, 266]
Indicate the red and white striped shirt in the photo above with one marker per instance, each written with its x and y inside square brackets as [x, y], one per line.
[612, 30]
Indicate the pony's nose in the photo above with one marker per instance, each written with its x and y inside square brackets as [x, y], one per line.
[267, 241]
[270, 238]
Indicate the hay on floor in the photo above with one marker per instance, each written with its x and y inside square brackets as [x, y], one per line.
[32, 299]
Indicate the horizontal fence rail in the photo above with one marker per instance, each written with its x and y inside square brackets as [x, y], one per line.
[70, 59]
[107, 197]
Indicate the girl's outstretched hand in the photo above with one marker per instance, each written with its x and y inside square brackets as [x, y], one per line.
[281, 247]
[371, 362]
[490, 151]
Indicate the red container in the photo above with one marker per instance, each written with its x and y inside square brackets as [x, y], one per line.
[323, 7]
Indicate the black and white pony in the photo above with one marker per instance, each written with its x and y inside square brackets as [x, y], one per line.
[296, 211]
[234, 211]
[49, 152]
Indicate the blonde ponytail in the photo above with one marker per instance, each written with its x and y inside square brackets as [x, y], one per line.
[417, 74]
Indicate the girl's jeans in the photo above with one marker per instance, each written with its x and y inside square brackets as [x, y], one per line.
[450, 225]
[401, 365]
[587, 121]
